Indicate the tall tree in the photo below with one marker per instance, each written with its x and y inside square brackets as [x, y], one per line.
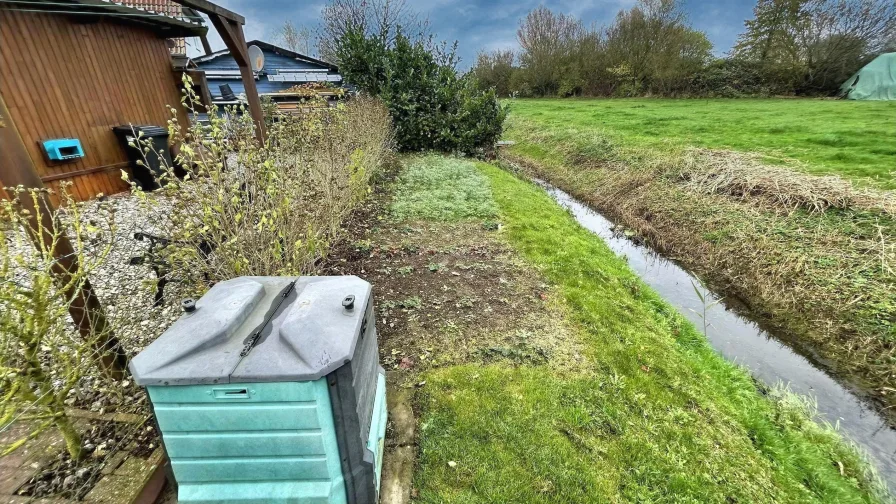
[842, 36]
[293, 38]
[773, 33]
[653, 45]
[494, 70]
[819, 42]
[548, 40]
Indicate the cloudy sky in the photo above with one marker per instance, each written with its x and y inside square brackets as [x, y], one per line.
[490, 24]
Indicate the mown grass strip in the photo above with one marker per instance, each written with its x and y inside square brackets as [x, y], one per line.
[657, 416]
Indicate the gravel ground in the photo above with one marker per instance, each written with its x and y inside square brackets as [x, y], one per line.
[126, 292]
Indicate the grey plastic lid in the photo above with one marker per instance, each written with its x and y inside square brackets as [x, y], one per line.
[259, 329]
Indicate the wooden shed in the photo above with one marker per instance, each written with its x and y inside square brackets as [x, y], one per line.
[71, 71]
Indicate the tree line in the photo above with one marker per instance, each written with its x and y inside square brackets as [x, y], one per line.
[801, 47]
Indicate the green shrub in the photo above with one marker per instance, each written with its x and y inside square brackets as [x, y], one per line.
[477, 121]
[432, 108]
[739, 77]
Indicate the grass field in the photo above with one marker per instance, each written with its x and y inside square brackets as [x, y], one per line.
[646, 411]
[853, 139]
[811, 256]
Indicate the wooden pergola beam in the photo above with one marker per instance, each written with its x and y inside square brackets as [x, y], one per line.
[212, 9]
[206, 47]
[230, 26]
[17, 169]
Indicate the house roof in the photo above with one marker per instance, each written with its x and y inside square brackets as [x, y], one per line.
[188, 24]
[272, 48]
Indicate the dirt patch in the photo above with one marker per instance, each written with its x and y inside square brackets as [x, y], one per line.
[451, 293]
[448, 293]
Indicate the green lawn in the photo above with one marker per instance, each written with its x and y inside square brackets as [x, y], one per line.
[652, 415]
[854, 139]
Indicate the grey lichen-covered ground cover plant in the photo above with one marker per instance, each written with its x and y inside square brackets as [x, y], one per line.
[244, 208]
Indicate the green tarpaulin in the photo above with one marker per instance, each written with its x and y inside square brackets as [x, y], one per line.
[875, 81]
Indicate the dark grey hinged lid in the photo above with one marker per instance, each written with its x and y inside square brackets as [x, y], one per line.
[308, 334]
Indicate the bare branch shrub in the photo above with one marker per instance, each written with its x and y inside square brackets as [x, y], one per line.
[382, 19]
[297, 39]
[817, 43]
[494, 69]
[548, 41]
[272, 209]
[42, 356]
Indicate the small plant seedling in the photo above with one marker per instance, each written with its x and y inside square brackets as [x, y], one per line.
[363, 245]
[466, 302]
[405, 270]
[411, 303]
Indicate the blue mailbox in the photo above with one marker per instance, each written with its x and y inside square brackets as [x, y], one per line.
[63, 149]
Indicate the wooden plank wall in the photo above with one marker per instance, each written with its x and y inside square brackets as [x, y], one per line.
[62, 77]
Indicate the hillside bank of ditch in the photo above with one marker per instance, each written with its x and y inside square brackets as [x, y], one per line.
[811, 258]
[543, 370]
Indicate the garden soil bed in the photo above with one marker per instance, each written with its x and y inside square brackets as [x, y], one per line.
[450, 293]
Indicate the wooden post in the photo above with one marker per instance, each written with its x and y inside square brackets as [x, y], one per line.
[232, 34]
[205, 45]
[230, 26]
[16, 168]
[201, 82]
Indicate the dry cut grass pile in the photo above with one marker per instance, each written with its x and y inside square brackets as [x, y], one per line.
[744, 175]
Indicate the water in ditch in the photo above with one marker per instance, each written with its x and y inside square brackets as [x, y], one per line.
[742, 341]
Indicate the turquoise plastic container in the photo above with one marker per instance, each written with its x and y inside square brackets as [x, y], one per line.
[299, 415]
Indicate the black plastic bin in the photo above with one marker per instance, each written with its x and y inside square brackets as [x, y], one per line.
[147, 173]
